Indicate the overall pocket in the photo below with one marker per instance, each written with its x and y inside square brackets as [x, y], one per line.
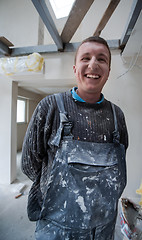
[94, 183]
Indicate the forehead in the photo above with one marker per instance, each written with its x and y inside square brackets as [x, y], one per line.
[93, 48]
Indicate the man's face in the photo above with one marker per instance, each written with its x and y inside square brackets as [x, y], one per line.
[92, 67]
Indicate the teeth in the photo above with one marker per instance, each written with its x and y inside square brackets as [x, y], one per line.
[93, 76]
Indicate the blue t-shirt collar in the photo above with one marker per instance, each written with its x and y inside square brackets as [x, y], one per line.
[76, 96]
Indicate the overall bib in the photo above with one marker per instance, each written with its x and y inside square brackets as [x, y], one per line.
[85, 183]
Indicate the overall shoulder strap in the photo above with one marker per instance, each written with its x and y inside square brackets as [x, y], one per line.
[116, 135]
[64, 122]
[60, 102]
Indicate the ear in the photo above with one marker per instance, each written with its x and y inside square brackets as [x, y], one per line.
[74, 68]
[109, 72]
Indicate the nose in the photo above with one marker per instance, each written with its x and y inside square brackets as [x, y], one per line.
[93, 63]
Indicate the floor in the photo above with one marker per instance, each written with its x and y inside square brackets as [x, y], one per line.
[14, 223]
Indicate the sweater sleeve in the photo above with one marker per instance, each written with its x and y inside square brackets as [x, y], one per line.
[124, 133]
[33, 150]
[123, 127]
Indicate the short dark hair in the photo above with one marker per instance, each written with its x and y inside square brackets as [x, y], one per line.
[94, 39]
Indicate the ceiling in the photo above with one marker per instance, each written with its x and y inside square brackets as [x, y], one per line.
[63, 39]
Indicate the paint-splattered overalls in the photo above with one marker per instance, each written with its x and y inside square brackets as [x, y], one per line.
[85, 184]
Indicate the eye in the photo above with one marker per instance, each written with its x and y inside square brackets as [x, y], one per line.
[85, 59]
[101, 60]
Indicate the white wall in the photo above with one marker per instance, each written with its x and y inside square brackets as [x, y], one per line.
[19, 18]
[8, 104]
[21, 130]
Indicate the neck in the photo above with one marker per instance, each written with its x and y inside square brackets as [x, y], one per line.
[89, 97]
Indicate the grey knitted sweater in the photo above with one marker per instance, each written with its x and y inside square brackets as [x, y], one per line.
[91, 122]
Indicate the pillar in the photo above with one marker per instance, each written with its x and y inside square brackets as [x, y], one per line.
[8, 129]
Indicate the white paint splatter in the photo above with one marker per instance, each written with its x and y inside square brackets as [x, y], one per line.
[80, 202]
[106, 214]
[76, 191]
[90, 178]
[65, 204]
[89, 191]
[109, 182]
[64, 183]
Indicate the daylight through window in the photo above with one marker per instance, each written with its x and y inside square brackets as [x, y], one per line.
[21, 110]
[61, 8]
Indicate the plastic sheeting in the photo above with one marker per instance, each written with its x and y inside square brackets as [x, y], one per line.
[31, 63]
[131, 219]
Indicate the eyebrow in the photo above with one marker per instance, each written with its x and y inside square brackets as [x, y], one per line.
[85, 54]
[104, 55]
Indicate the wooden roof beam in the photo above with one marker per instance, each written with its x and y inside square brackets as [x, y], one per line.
[4, 46]
[109, 11]
[77, 13]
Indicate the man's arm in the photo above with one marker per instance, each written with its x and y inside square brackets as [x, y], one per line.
[122, 127]
[33, 150]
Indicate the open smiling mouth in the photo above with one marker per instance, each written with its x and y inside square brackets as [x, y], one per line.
[92, 76]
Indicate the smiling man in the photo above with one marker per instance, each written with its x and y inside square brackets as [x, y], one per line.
[74, 152]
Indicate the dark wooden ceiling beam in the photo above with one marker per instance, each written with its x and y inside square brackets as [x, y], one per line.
[4, 46]
[4, 50]
[77, 13]
[47, 49]
[109, 11]
[44, 13]
[133, 16]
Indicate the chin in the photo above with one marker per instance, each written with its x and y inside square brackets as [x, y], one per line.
[93, 91]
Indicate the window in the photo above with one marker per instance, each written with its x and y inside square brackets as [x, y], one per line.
[21, 110]
[61, 8]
